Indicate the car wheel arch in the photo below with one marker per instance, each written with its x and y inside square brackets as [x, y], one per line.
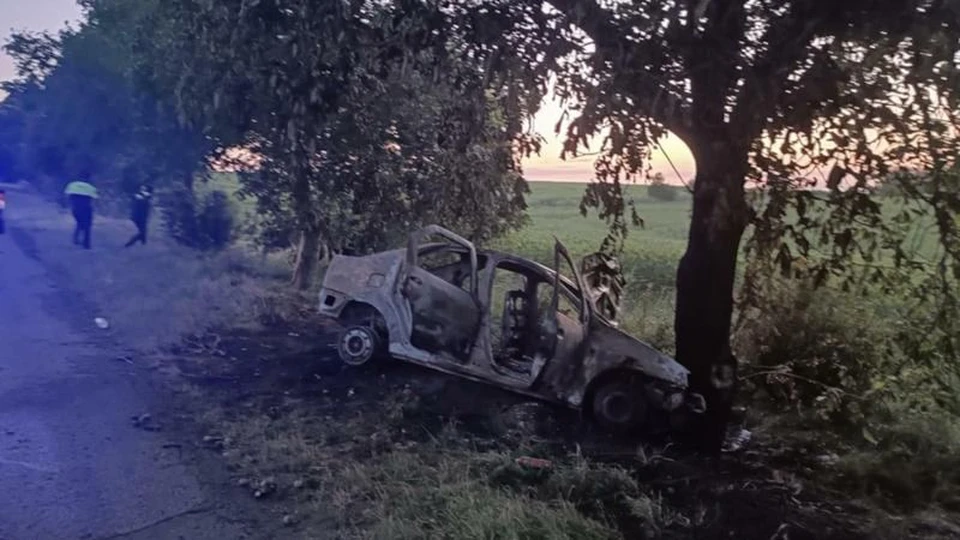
[606, 376]
[359, 312]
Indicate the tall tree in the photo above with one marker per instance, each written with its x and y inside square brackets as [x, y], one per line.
[762, 92]
[319, 90]
[77, 105]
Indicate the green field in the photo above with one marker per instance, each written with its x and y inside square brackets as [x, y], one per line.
[652, 252]
[649, 260]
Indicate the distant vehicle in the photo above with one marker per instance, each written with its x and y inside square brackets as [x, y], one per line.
[503, 320]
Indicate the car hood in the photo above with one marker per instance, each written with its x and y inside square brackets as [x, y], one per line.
[613, 341]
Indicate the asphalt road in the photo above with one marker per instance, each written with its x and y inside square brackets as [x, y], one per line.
[72, 464]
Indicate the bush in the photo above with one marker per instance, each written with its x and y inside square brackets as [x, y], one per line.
[205, 222]
[662, 192]
[914, 461]
[817, 351]
[872, 363]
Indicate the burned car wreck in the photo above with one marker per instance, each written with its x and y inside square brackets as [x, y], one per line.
[503, 320]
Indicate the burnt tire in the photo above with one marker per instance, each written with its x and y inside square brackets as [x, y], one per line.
[620, 407]
[358, 345]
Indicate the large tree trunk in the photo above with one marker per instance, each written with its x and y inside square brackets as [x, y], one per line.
[308, 247]
[308, 255]
[705, 281]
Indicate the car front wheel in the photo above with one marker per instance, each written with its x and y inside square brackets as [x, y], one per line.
[620, 406]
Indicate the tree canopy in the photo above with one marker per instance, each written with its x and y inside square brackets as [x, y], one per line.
[766, 94]
[74, 106]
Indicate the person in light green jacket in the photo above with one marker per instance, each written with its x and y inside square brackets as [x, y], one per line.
[81, 195]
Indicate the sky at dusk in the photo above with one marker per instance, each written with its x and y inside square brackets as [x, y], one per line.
[53, 15]
[32, 15]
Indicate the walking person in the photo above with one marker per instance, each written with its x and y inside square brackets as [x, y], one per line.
[81, 195]
[140, 214]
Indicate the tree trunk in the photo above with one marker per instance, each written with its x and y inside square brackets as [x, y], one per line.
[308, 255]
[308, 248]
[705, 281]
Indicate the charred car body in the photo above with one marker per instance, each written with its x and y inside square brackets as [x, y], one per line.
[504, 320]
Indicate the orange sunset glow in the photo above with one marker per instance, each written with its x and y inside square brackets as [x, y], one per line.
[548, 167]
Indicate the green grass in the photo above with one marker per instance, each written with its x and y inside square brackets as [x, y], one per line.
[442, 489]
[652, 252]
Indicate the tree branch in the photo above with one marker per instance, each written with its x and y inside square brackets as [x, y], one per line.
[651, 96]
[787, 39]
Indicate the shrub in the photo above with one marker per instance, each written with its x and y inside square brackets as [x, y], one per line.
[202, 222]
[216, 221]
[913, 462]
[816, 350]
[662, 192]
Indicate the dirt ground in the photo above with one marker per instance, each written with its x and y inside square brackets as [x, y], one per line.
[770, 489]
[78, 456]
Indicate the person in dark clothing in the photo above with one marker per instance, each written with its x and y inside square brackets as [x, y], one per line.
[82, 207]
[140, 214]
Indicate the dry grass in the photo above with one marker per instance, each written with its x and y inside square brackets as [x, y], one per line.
[447, 494]
[355, 477]
[437, 489]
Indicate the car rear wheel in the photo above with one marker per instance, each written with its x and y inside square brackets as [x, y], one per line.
[620, 406]
[358, 345]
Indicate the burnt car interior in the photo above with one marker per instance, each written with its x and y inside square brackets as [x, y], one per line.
[526, 331]
[447, 313]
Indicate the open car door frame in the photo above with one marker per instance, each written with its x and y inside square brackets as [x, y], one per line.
[430, 299]
[416, 238]
[550, 331]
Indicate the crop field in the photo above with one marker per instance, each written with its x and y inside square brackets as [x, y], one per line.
[652, 252]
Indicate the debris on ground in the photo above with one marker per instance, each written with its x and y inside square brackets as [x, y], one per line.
[101, 323]
[214, 442]
[145, 422]
[829, 459]
[737, 441]
[265, 488]
[534, 463]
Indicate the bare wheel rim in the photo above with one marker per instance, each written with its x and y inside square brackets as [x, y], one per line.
[357, 345]
[617, 408]
[620, 406]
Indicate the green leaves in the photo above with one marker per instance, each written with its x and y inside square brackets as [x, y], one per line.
[85, 102]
